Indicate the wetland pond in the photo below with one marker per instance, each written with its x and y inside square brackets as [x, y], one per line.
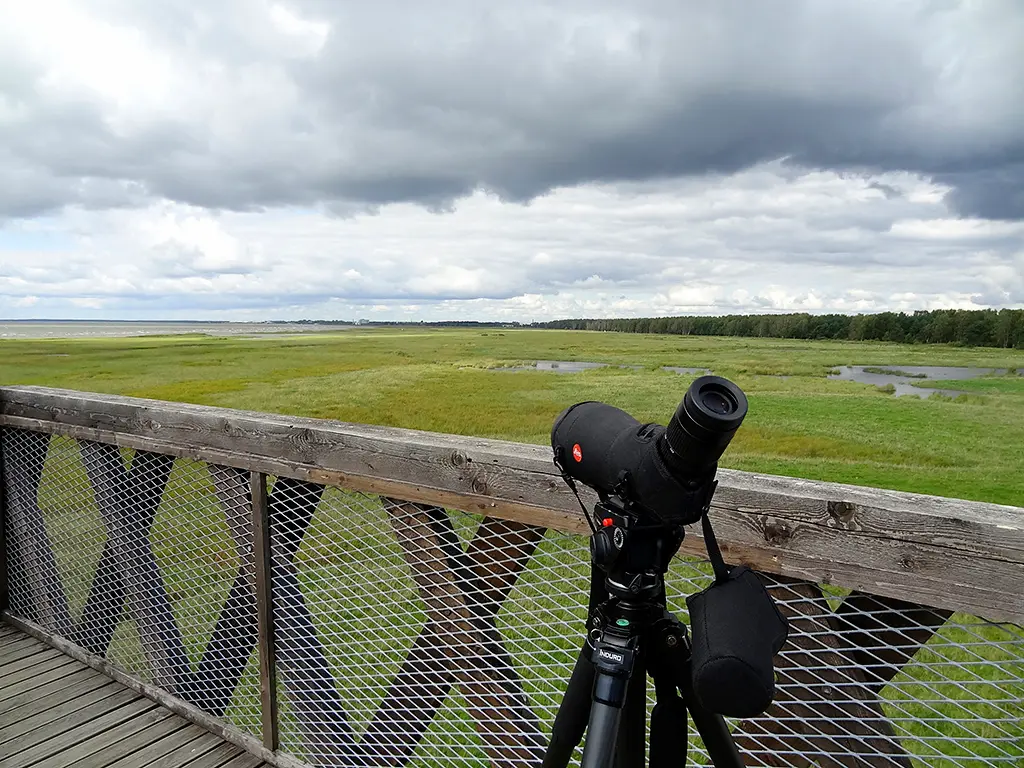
[903, 378]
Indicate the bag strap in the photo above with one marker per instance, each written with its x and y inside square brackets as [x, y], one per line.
[711, 543]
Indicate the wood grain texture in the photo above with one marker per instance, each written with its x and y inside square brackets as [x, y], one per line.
[55, 726]
[157, 750]
[944, 553]
[38, 698]
[117, 741]
[185, 709]
[49, 708]
[213, 758]
[85, 678]
[128, 574]
[43, 745]
[15, 674]
[181, 749]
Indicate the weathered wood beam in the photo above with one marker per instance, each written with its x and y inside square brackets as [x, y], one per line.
[128, 575]
[262, 563]
[943, 553]
[464, 645]
[236, 632]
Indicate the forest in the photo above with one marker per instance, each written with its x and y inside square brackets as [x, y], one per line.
[974, 328]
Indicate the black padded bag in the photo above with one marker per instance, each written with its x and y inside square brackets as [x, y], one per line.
[737, 630]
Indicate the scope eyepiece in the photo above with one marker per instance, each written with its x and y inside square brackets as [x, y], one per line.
[702, 426]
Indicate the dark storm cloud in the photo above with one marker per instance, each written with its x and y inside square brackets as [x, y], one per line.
[995, 193]
[360, 104]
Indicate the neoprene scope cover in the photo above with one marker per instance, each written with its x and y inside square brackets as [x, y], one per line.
[737, 630]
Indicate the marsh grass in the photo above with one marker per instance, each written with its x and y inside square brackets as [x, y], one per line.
[445, 380]
[894, 372]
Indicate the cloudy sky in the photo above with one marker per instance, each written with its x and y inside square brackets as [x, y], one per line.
[524, 160]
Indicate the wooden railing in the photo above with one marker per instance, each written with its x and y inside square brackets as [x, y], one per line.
[895, 567]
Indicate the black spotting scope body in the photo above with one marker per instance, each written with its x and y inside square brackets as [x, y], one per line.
[652, 466]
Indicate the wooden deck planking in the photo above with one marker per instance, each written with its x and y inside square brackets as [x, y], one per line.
[17, 649]
[57, 712]
[152, 719]
[26, 719]
[174, 749]
[70, 700]
[215, 758]
[30, 690]
[12, 674]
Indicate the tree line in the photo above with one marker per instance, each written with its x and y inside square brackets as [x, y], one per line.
[976, 328]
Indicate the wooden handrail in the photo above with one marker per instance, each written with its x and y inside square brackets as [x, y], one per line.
[946, 553]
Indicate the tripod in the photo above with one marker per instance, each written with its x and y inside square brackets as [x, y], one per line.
[632, 635]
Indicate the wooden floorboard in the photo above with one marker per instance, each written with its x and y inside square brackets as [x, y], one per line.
[57, 681]
[243, 761]
[190, 739]
[32, 666]
[12, 652]
[215, 758]
[56, 712]
[50, 708]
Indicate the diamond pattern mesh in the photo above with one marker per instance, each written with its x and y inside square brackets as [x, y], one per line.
[136, 557]
[410, 635]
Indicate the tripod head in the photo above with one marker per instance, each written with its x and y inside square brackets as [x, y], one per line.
[632, 554]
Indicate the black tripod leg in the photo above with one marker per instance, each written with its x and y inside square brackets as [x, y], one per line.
[602, 733]
[573, 713]
[631, 745]
[668, 726]
[612, 681]
[671, 662]
[712, 729]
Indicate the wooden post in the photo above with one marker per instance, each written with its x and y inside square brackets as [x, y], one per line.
[264, 610]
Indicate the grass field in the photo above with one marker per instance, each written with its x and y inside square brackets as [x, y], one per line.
[956, 706]
[443, 380]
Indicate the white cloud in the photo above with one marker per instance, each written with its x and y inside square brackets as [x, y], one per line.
[248, 158]
[643, 249]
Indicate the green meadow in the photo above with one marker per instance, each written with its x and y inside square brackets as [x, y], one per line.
[446, 380]
[959, 705]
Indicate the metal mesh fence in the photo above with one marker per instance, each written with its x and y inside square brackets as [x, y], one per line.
[138, 558]
[409, 635]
